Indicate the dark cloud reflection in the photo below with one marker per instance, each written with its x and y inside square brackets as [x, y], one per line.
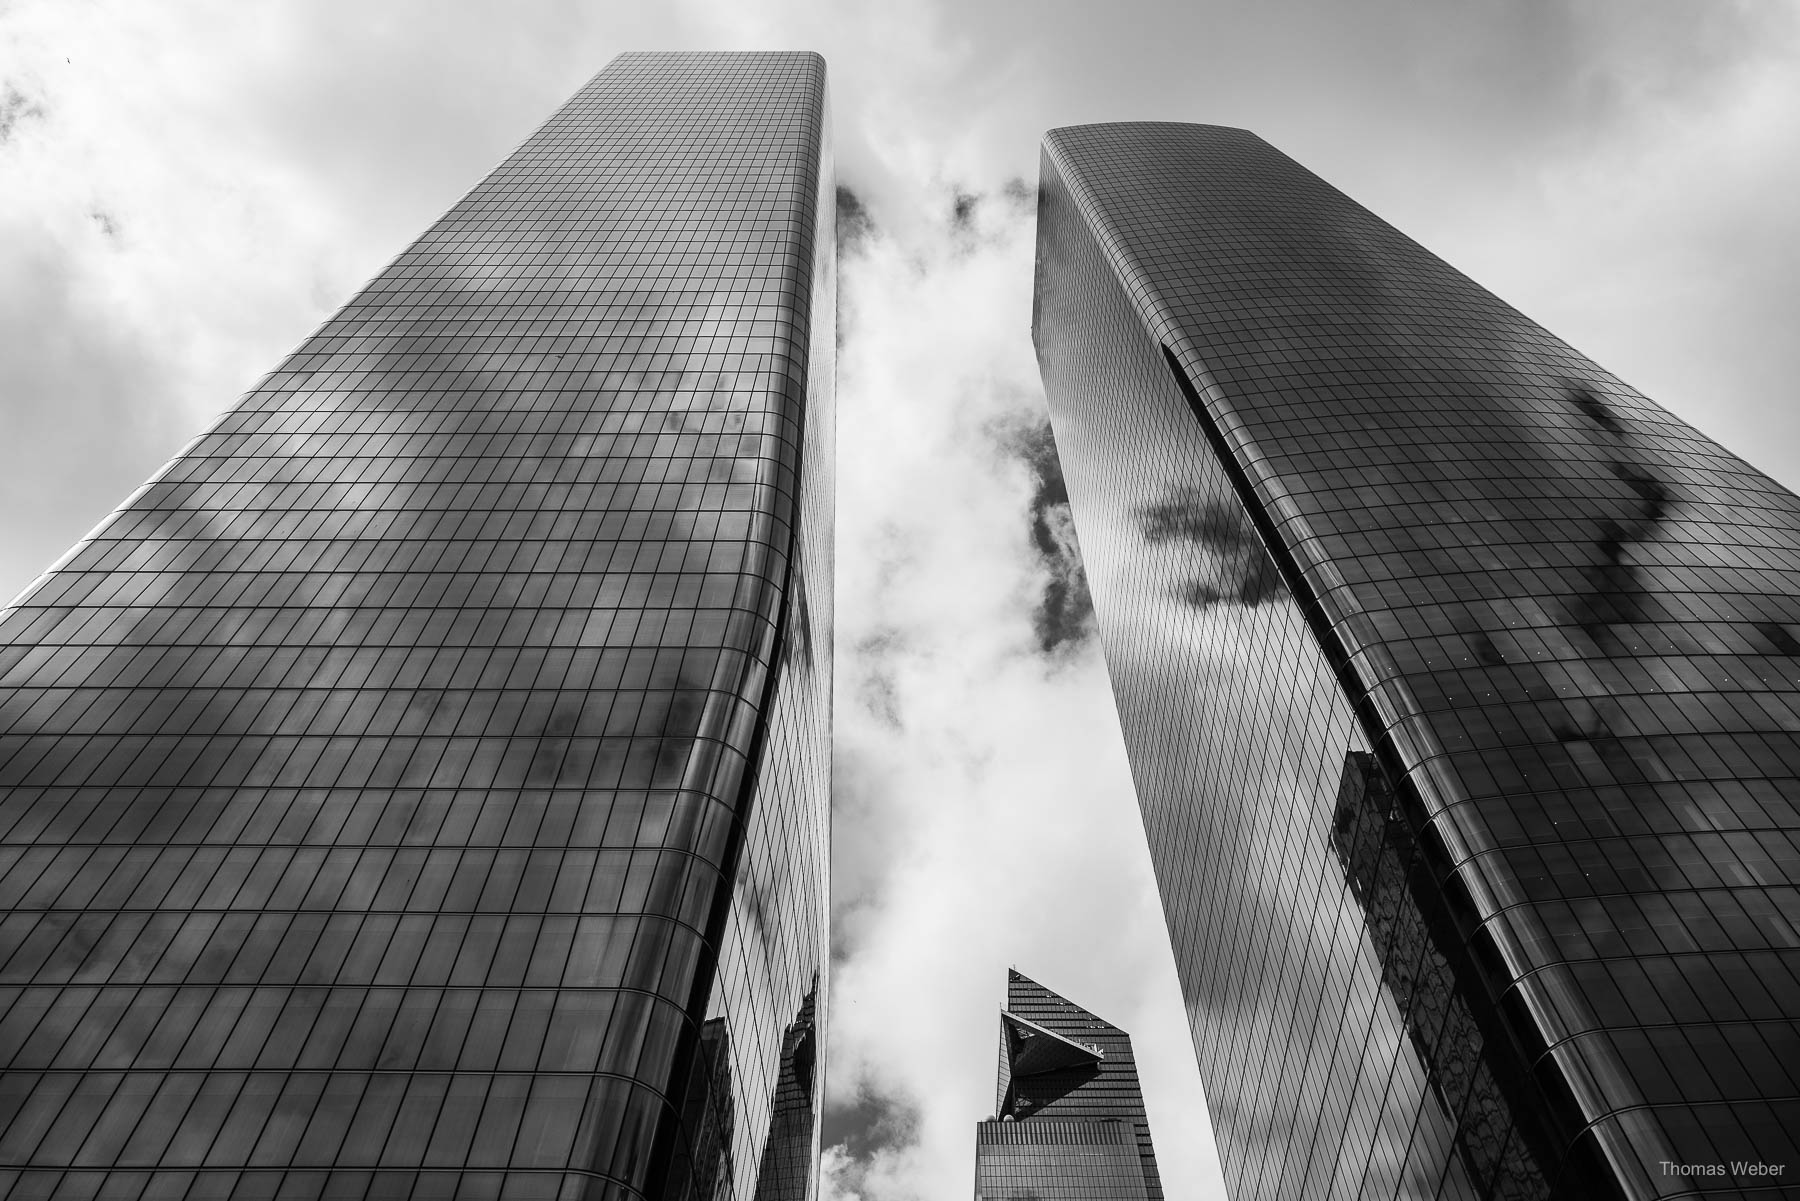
[1616, 592]
[1230, 563]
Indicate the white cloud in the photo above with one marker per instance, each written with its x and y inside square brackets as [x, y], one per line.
[984, 817]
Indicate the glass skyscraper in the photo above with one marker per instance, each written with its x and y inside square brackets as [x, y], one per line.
[419, 787]
[1461, 687]
[1069, 1121]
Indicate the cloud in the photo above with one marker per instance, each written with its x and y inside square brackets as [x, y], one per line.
[1225, 560]
[874, 687]
[854, 224]
[978, 217]
[867, 1146]
[16, 107]
[976, 777]
[1064, 614]
[962, 211]
[870, 1124]
[87, 408]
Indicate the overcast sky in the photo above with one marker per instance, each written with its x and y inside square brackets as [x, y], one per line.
[187, 188]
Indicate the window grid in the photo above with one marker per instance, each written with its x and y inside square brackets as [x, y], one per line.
[418, 788]
[1560, 625]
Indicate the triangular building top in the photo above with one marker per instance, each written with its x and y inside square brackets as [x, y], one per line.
[1035, 1050]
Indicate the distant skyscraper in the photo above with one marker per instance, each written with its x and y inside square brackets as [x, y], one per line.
[1069, 1119]
[1461, 686]
[419, 787]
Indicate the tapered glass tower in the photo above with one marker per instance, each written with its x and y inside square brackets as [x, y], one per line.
[419, 787]
[1461, 687]
[1069, 1121]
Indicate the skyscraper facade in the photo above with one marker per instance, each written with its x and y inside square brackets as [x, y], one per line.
[1461, 688]
[419, 787]
[1069, 1122]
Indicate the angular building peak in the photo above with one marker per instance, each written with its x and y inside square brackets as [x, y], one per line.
[1069, 1113]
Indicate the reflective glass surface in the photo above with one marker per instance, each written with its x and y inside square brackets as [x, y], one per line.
[419, 787]
[1055, 1159]
[1069, 1118]
[1461, 685]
